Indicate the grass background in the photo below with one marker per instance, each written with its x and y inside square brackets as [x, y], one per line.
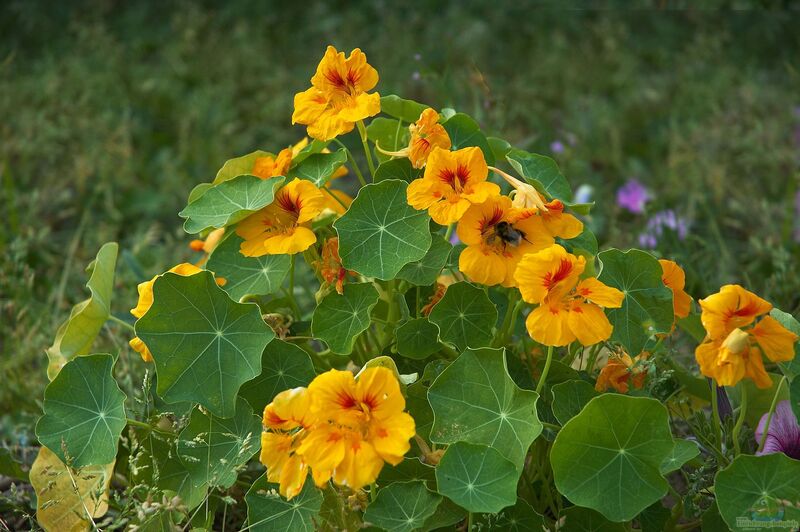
[110, 112]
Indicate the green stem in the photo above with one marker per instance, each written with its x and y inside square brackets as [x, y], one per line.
[122, 322]
[452, 353]
[739, 422]
[362, 130]
[715, 415]
[449, 232]
[545, 371]
[147, 426]
[469, 521]
[352, 160]
[551, 426]
[373, 491]
[769, 415]
[334, 196]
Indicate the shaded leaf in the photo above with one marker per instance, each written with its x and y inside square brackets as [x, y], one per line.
[570, 397]
[409, 470]
[402, 506]
[465, 316]
[475, 400]
[542, 172]
[9, 467]
[405, 110]
[400, 168]
[647, 307]
[464, 132]
[587, 520]
[381, 233]
[417, 339]
[76, 335]
[682, 451]
[339, 319]
[283, 366]
[84, 412]
[204, 344]
[268, 511]
[519, 518]
[247, 275]
[229, 202]
[425, 271]
[477, 478]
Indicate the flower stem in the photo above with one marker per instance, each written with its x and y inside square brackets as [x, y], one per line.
[449, 232]
[739, 422]
[545, 371]
[769, 415]
[469, 521]
[334, 196]
[715, 415]
[362, 130]
[352, 160]
[121, 322]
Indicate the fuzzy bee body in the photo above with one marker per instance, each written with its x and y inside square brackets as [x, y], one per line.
[507, 234]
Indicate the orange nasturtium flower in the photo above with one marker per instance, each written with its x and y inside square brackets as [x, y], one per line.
[453, 181]
[338, 97]
[340, 427]
[268, 166]
[497, 236]
[569, 308]
[282, 227]
[426, 133]
[621, 371]
[146, 301]
[735, 342]
[330, 265]
[674, 279]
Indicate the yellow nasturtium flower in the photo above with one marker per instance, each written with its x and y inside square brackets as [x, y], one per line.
[268, 166]
[735, 341]
[426, 134]
[497, 236]
[339, 95]
[146, 301]
[569, 308]
[453, 180]
[282, 227]
[341, 428]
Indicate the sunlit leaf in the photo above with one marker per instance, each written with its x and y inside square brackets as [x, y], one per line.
[84, 412]
[339, 319]
[247, 275]
[608, 457]
[229, 202]
[283, 366]
[475, 400]
[204, 344]
[319, 167]
[76, 335]
[465, 316]
[213, 449]
[381, 233]
[267, 511]
[389, 134]
[647, 307]
[758, 488]
[239, 166]
[477, 478]
[402, 506]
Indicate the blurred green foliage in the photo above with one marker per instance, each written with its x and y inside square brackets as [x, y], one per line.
[111, 111]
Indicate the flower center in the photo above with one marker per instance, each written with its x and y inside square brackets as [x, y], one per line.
[736, 342]
[457, 178]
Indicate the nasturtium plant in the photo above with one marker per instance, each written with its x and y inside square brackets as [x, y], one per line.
[421, 334]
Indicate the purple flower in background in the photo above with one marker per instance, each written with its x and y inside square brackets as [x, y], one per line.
[783, 435]
[633, 196]
[454, 239]
[557, 146]
[656, 225]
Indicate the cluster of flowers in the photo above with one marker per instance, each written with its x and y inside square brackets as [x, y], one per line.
[341, 427]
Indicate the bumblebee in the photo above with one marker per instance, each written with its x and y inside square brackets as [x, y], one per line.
[507, 234]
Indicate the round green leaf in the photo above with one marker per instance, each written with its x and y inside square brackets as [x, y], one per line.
[247, 275]
[541, 172]
[587, 520]
[397, 169]
[759, 488]
[229, 202]
[381, 233]
[283, 366]
[519, 518]
[238, 166]
[406, 110]
[647, 307]
[682, 451]
[410, 469]
[76, 335]
[464, 132]
[417, 339]
[570, 397]
[204, 344]
[339, 319]
[389, 134]
[402, 506]
[475, 400]
[84, 412]
[465, 316]
[267, 511]
[213, 448]
[608, 456]
[425, 271]
[477, 478]
[319, 167]
[168, 472]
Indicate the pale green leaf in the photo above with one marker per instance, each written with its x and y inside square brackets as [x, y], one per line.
[204, 344]
[267, 511]
[84, 412]
[339, 319]
[239, 166]
[402, 506]
[381, 233]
